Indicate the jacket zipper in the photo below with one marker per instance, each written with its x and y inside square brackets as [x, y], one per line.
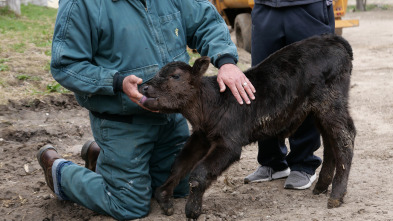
[144, 4]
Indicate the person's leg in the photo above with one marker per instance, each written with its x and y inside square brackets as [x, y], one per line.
[122, 186]
[304, 142]
[171, 139]
[267, 37]
[302, 22]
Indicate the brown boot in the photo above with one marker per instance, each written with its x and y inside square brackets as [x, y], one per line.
[89, 153]
[46, 156]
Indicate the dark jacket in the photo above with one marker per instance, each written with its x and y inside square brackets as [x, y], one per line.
[285, 3]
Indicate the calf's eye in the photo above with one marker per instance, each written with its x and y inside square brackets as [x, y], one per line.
[175, 76]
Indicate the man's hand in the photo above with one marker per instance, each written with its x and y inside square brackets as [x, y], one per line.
[130, 88]
[238, 83]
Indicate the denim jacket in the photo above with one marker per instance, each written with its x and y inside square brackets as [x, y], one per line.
[285, 3]
[94, 39]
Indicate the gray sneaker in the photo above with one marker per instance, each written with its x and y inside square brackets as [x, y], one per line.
[264, 173]
[299, 180]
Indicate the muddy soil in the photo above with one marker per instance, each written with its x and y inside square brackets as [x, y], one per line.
[26, 125]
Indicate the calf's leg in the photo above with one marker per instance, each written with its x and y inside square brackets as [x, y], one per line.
[194, 150]
[338, 133]
[217, 160]
[344, 139]
[328, 165]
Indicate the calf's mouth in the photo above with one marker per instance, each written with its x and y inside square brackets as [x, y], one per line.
[145, 98]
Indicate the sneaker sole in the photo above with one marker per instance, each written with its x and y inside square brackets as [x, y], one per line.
[257, 181]
[312, 179]
[275, 176]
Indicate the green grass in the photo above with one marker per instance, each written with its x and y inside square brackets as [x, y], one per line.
[56, 87]
[25, 77]
[32, 29]
[34, 25]
[370, 7]
[19, 47]
[3, 67]
[47, 66]
[193, 57]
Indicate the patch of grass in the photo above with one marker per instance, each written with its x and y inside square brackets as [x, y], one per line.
[38, 13]
[56, 87]
[32, 31]
[48, 53]
[4, 67]
[34, 25]
[371, 7]
[25, 77]
[19, 47]
[47, 66]
[5, 11]
[193, 56]
[384, 7]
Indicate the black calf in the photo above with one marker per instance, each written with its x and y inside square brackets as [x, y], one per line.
[308, 77]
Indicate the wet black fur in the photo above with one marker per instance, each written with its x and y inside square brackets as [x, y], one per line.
[308, 77]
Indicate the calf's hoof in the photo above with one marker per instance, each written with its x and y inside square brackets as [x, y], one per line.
[317, 191]
[164, 201]
[194, 206]
[193, 211]
[334, 203]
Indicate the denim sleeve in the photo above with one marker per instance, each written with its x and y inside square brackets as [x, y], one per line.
[207, 31]
[73, 48]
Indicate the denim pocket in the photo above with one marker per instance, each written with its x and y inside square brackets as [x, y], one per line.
[173, 32]
[318, 11]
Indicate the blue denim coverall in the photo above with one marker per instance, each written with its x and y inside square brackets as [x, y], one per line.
[96, 39]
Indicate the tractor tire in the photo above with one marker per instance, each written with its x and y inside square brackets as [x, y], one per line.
[243, 31]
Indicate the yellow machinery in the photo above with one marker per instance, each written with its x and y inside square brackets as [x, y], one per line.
[237, 13]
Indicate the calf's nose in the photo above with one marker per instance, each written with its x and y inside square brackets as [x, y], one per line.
[145, 88]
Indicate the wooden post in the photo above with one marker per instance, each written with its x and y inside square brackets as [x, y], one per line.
[14, 5]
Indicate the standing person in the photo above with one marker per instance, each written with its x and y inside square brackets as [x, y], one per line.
[102, 50]
[275, 24]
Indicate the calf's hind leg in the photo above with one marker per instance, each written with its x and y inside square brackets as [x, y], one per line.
[344, 140]
[328, 165]
[193, 151]
[218, 159]
[339, 131]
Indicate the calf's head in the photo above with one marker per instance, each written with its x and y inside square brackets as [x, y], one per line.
[174, 86]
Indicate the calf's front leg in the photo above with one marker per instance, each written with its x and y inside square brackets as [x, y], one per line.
[217, 160]
[193, 151]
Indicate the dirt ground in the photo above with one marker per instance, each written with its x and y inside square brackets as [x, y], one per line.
[26, 125]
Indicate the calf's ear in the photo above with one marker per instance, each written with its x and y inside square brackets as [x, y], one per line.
[200, 66]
